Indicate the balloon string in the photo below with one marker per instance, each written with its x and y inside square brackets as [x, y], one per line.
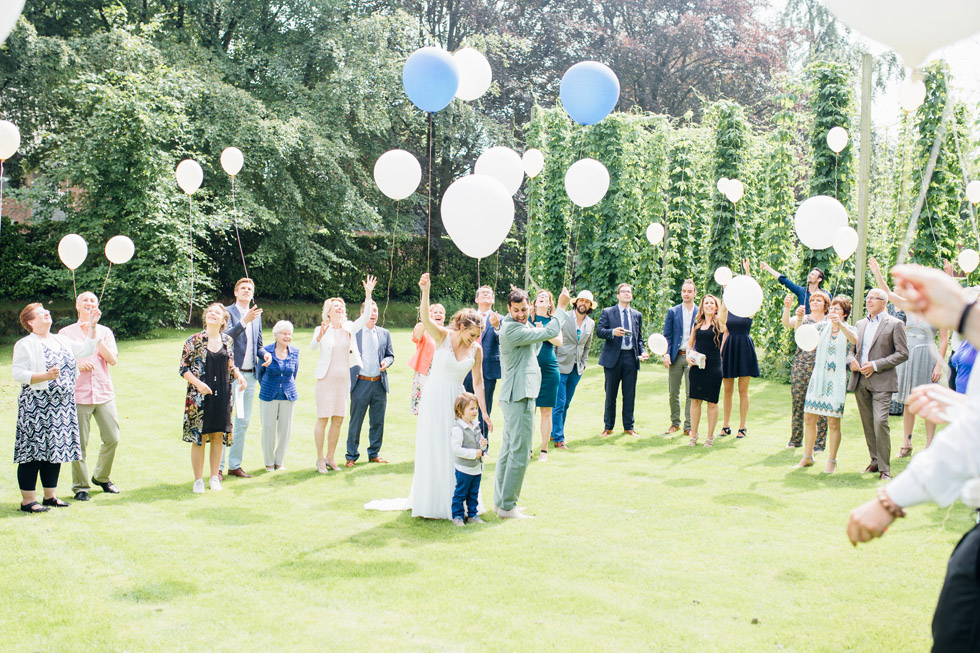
[73, 288]
[106, 281]
[190, 224]
[391, 264]
[528, 233]
[738, 240]
[836, 159]
[496, 276]
[1, 193]
[428, 235]
[840, 271]
[568, 247]
[478, 284]
[234, 217]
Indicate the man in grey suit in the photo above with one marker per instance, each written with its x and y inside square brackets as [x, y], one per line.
[369, 388]
[881, 346]
[520, 383]
[572, 357]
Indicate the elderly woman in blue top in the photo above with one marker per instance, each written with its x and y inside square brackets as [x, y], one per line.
[813, 281]
[277, 396]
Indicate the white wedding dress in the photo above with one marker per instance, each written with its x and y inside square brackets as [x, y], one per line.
[435, 477]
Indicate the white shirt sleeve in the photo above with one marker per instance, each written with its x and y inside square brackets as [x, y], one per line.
[938, 473]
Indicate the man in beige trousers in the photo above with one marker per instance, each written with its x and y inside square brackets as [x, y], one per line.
[881, 346]
[94, 396]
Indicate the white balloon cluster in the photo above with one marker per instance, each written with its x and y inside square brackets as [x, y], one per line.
[733, 189]
[818, 219]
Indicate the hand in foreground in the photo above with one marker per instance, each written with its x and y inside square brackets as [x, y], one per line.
[369, 283]
[939, 298]
[868, 521]
[203, 388]
[268, 360]
[788, 301]
[486, 420]
[51, 374]
[494, 318]
[932, 401]
[666, 358]
[425, 283]
[619, 332]
[251, 314]
[867, 369]
[564, 299]
[855, 366]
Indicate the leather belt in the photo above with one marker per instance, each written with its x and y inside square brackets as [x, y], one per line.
[249, 370]
[368, 378]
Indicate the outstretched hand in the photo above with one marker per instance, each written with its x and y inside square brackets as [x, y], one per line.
[564, 299]
[425, 283]
[868, 521]
[788, 301]
[938, 297]
[369, 283]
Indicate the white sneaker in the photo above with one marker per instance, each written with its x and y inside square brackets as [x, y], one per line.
[199, 486]
[543, 456]
[515, 513]
[215, 484]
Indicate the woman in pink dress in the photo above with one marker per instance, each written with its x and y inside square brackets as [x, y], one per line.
[335, 342]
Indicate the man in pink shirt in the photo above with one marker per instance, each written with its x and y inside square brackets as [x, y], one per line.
[94, 395]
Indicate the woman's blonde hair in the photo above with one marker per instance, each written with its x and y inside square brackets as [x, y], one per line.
[327, 305]
[465, 318]
[224, 315]
[715, 319]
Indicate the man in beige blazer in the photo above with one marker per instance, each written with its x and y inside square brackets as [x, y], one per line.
[881, 345]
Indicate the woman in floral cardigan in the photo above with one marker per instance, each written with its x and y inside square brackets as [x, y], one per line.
[208, 365]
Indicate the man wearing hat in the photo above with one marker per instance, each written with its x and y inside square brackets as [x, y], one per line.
[572, 356]
[677, 331]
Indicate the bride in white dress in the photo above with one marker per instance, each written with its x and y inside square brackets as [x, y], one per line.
[457, 352]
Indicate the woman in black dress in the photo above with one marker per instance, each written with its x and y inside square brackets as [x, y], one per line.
[738, 361]
[208, 366]
[707, 339]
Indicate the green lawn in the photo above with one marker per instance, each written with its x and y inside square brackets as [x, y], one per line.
[638, 543]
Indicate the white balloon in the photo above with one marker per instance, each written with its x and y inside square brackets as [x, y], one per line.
[397, 173]
[189, 176]
[9, 139]
[504, 165]
[845, 242]
[655, 233]
[232, 160]
[743, 296]
[119, 249]
[586, 182]
[723, 276]
[734, 190]
[807, 337]
[478, 212]
[72, 251]
[909, 27]
[968, 260]
[657, 344]
[533, 161]
[837, 139]
[911, 94]
[818, 219]
[475, 74]
[973, 191]
[722, 184]
[9, 13]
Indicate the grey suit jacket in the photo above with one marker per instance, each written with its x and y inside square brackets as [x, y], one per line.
[888, 349]
[573, 352]
[520, 375]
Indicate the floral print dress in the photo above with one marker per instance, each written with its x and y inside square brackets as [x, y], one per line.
[194, 360]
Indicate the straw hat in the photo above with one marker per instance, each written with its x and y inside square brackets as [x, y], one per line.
[586, 295]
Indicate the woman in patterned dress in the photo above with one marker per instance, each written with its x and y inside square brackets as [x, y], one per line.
[208, 365]
[47, 419]
[425, 349]
[827, 389]
[335, 342]
[803, 366]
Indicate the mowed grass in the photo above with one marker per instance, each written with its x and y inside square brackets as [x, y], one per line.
[637, 544]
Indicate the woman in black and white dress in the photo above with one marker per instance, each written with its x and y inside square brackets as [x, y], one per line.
[47, 419]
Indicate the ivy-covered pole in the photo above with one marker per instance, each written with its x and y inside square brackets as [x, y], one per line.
[831, 105]
[731, 134]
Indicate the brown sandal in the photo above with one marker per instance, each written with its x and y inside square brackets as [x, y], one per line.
[906, 450]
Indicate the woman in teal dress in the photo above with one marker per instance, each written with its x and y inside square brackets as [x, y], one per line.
[544, 308]
[827, 389]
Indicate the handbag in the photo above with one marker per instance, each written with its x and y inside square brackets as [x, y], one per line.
[699, 359]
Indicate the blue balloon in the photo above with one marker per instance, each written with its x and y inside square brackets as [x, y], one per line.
[431, 78]
[589, 91]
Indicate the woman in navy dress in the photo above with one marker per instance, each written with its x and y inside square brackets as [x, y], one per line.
[544, 309]
[738, 361]
[707, 338]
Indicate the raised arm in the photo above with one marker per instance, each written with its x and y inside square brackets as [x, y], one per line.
[368, 283]
[790, 322]
[437, 332]
[765, 266]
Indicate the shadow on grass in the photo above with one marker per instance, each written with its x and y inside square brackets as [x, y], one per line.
[748, 500]
[157, 592]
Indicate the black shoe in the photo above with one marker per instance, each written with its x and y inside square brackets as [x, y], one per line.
[55, 503]
[81, 495]
[725, 431]
[33, 507]
[817, 449]
[107, 486]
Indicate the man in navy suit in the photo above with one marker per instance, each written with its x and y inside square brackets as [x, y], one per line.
[622, 329]
[677, 331]
[491, 351]
[369, 388]
[245, 329]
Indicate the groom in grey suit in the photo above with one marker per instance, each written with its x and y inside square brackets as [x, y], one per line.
[520, 383]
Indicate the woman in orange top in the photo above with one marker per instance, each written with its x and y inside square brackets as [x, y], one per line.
[425, 348]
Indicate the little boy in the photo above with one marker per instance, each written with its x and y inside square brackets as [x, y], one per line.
[467, 444]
